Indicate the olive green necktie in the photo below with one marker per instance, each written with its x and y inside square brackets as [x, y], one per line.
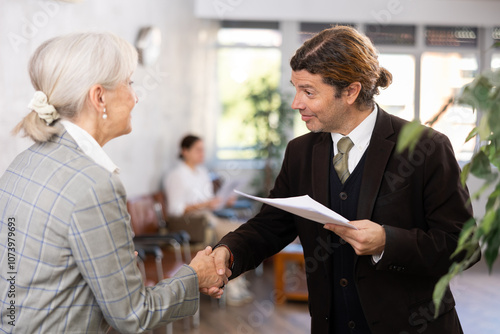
[344, 145]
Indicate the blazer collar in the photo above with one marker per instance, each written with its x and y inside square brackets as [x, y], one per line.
[320, 168]
[64, 138]
[377, 156]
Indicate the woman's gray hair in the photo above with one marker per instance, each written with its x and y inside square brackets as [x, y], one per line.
[66, 67]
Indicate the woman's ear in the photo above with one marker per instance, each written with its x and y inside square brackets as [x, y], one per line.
[183, 153]
[97, 97]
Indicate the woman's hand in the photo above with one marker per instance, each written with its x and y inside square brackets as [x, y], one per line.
[214, 203]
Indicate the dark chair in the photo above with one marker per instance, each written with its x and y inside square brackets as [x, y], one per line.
[150, 227]
[194, 225]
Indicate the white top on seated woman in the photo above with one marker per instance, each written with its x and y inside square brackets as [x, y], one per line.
[189, 187]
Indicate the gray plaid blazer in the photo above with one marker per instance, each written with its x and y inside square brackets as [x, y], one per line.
[67, 262]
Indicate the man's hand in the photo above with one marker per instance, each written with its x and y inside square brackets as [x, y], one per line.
[221, 257]
[368, 239]
[204, 265]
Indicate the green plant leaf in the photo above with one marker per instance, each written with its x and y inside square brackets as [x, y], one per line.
[467, 230]
[465, 173]
[467, 241]
[493, 199]
[455, 269]
[480, 166]
[443, 284]
[439, 291]
[472, 134]
[409, 136]
[441, 112]
[483, 129]
[492, 245]
[487, 222]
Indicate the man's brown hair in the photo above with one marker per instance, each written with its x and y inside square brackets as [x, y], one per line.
[341, 55]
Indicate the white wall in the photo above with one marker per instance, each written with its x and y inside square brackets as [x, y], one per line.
[446, 12]
[171, 92]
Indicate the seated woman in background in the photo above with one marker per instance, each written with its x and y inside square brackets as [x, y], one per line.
[190, 193]
[189, 186]
[63, 206]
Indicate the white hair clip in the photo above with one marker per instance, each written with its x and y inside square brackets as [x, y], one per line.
[45, 111]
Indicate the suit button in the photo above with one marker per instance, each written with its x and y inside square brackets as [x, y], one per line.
[343, 282]
[343, 196]
[326, 318]
[351, 324]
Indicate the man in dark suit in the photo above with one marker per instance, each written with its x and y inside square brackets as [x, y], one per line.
[408, 208]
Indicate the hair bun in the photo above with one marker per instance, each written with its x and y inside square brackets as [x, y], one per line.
[384, 78]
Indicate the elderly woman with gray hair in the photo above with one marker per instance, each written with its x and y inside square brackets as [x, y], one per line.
[66, 251]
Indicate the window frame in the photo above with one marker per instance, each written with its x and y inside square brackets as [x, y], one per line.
[291, 40]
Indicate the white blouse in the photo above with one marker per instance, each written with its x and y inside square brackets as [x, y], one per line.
[185, 186]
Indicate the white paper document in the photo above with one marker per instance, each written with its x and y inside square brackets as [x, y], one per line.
[225, 192]
[306, 207]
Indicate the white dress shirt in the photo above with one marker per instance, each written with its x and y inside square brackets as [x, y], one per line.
[90, 146]
[360, 137]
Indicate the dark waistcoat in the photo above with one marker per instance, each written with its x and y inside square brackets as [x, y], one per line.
[347, 314]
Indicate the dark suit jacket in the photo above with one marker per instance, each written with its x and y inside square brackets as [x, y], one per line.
[419, 200]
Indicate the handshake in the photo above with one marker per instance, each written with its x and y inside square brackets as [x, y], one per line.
[212, 270]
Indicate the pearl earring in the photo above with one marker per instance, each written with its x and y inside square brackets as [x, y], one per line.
[104, 115]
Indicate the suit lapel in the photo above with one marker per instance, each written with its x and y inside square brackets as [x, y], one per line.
[320, 179]
[377, 157]
[321, 169]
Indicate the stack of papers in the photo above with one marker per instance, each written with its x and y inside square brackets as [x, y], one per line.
[306, 207]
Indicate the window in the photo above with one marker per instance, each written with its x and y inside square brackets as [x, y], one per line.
[443, 74]
[391, 34]
[446, 58]
[309, 29]
[495, 61]
[496, 34]
[398, 98]
[457, 37]
[246, 54]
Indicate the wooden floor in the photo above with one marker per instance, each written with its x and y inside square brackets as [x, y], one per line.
[260, 316]
[477, 294]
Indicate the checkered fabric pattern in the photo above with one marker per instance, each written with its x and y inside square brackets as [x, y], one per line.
[74, 256]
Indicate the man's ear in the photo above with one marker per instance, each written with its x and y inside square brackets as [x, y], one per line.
[97, 97]
[352, 91]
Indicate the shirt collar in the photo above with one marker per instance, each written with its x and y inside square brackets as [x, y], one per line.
[90, 146]
[362, 134]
